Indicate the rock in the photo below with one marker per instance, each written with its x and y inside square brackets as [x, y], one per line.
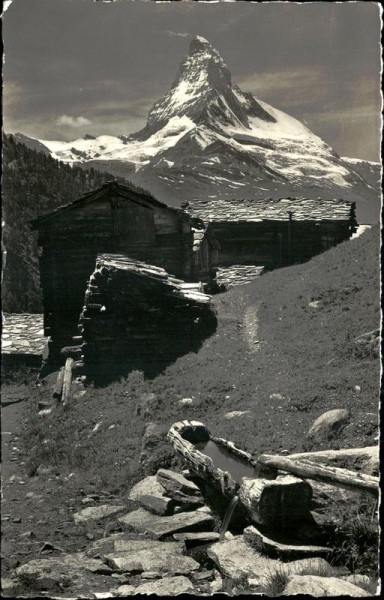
[44, 404]
[126, 590]
[154, 435]
[102, 595]
[158, 527]
[186, 401]
[275, 549]
[236, 560]
[236, 413]
[145, 404]
[49, 547]
[152, 496]
[276, 397]
[139, 556]
[217, 583]
[151, 575]
[56, 573]
[10, 588]
[96, 513]
[328, 424]
[357, 579]
[179, 488]
[276, 503]
[45, 412]
[192, 539]
[204, 509]
[313, 585]
[203, 576]
[168, 586]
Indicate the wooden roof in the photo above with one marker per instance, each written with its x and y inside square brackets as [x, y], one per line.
[302, 209]
[122, 190]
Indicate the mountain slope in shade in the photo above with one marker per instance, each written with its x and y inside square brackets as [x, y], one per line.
[206, 138]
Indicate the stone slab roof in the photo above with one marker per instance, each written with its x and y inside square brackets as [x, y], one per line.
[166, 283]
[23, 334]
[268, 209]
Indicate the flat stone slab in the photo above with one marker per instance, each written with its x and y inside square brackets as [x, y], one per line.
[157, 527]
[168, 586]
[58, 572]
[179, 488]
[275, 549]
[236, 559]
[95, 513]
[191, 539]
[161, 557]
[313, 585]
[150, 494]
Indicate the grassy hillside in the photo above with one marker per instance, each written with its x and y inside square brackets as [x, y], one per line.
[285, 351]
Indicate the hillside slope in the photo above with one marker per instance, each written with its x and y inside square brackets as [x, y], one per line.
[275, 357]
[286, 351]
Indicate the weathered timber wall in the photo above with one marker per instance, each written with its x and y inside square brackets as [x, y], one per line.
[274, 244]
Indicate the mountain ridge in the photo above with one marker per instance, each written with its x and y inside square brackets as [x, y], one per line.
[206, 138]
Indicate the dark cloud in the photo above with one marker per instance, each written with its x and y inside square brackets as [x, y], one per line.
[107, 62]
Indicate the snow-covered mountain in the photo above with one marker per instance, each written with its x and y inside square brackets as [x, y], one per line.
[206, 138]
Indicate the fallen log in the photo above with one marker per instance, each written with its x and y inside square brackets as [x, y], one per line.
[67, 380]
[331, 475]
[57, 390]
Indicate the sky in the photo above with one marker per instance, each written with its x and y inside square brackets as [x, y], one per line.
[90, 66]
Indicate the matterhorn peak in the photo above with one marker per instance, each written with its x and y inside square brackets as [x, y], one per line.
[200, 44]
[202, 91]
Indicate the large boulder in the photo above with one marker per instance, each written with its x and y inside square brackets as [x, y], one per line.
[329, 424]
[313, 585]
[142, 521]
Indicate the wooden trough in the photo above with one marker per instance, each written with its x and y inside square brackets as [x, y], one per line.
[184, 435]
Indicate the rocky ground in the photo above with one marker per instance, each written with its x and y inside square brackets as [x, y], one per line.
[161, 538]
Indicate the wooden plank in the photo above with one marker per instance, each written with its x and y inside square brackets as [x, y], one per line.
[67, 380]
[330, 475]
[57, 390]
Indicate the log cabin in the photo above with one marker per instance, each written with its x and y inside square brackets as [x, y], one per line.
[115, 218]
[273, 233]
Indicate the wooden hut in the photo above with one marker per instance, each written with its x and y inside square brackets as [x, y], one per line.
[274, 233]
[113, 219]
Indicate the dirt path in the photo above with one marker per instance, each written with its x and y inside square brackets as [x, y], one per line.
[251, 329]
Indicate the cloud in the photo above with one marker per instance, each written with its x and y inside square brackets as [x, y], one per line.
[182, 34]
[72, 121]
[296, 87]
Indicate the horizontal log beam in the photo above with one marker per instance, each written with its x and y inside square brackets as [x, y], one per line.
[330, 475]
